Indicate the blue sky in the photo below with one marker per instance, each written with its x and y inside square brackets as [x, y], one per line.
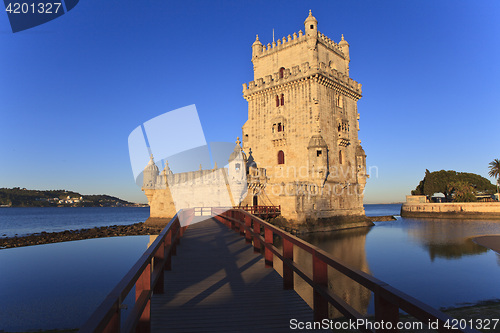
[72, 90]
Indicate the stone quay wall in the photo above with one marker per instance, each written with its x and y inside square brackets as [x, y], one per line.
[461, 210]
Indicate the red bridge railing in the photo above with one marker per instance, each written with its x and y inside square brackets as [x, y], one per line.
[261, 210]
[147, 276]
[388, 300]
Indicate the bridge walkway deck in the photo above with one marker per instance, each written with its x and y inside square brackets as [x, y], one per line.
[218, 284]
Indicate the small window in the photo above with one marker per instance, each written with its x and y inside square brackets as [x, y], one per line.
[282, 99]
[312, 26]
[237, 166]
[281, 157]
[282, 72]
[318, 153]
[277, 100]
[280, 128]
[340, 156]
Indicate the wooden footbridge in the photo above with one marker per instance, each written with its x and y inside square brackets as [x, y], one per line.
[218, 281]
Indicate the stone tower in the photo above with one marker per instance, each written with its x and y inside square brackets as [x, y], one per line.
[303, 127]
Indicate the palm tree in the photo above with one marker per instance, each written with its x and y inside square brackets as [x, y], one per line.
[495, 170]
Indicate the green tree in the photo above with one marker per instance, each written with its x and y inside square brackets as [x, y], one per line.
[495, 169]
[463, 191]
[440, 182]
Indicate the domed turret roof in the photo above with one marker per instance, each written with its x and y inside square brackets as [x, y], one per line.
[251, 162]
[237, 151]
[257, 41]
[343, 41]
[151, 166]
[166, 170]
[317, 141]
[310, 18]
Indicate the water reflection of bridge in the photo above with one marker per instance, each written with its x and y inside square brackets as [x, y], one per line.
[219, 283]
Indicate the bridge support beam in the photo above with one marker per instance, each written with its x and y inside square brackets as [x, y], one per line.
[248, 225]
[320, 277]
[256, 239]
[268, 255]
[386, 311]
[287, 270]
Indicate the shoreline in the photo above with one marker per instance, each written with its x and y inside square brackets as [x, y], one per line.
[136, 229]
[80, 234]
[491, 242]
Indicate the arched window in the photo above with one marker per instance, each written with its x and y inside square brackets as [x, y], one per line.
[279, 127]
[281, 157]
[340, 156]
[282, 72]
[282, 99]
[339, 101]
[277, 100]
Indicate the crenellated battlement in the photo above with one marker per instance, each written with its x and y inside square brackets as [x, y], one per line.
[295, 39]
[212, 177]
[282, 43]
[330, 44]
[300, 72]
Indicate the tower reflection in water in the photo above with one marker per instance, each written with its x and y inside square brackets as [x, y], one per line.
[348, 246]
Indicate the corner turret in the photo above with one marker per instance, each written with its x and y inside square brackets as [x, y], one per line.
[344, 46]
[318, 157]
[150, 173]
[256, 47]
[311, 30]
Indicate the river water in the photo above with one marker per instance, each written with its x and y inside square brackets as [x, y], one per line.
[22, 221]
[59, 285]
[433, 260]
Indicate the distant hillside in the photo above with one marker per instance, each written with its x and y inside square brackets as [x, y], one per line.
[21, 197]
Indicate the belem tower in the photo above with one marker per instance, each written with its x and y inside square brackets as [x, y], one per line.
[299, 148]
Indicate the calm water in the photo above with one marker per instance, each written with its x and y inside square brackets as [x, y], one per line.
[383, 210]
[59, 285]
[23, 221]
[433, 260]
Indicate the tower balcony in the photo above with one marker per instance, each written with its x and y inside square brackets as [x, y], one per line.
[343, 141]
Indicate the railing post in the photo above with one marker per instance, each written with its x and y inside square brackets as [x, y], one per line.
[248, 224]
[241, 218]
[113, 325]
[320, 277]
[233, 225]
[144, 284]
[287, 270]
[386, 311]
[256, 239]
[157, 261]
[174, 237]
[168, 258]
[268, 255]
